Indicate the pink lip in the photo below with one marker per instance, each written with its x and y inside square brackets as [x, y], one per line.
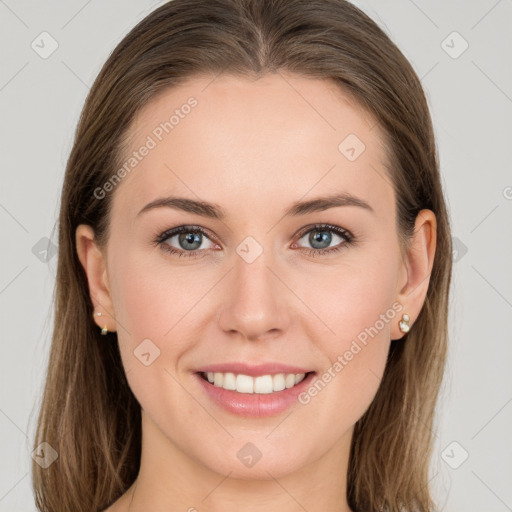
[255, 405]
[252, 370]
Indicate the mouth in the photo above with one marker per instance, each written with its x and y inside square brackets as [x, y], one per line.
[259, 385]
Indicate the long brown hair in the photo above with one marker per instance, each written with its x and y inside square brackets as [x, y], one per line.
[89, 414]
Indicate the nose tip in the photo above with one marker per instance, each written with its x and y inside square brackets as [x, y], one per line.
[252, 305]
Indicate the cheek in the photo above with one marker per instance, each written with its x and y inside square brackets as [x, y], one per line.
[145, 307]
[350, 300]
[142, 305]
[161, 308]
[356, 303]
[151, 305]
[151, 296]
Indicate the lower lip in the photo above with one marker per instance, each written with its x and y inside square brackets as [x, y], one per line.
[255, 405]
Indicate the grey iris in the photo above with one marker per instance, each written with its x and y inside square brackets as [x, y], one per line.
[190, 238]
[320, 236]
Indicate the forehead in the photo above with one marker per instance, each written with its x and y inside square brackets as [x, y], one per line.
[234, 141]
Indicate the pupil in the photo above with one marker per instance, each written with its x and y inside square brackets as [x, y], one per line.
[322, 236]
[190, 238]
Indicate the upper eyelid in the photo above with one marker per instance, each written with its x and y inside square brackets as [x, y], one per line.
[326, 227]
[168, 233]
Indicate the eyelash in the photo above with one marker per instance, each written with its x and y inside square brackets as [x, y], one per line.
[349, 239]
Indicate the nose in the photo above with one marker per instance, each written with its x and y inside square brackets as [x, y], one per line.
[254, 304]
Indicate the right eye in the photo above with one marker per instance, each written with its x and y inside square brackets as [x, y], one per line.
[189, 241]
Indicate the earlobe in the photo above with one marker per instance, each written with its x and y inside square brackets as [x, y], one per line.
[93, 262]
[418, 265]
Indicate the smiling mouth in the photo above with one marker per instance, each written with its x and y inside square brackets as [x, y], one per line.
[245, 384]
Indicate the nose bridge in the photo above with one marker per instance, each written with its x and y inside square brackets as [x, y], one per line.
[253, 303]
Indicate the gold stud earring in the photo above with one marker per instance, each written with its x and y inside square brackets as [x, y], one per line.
[404, 323]
[104, 329]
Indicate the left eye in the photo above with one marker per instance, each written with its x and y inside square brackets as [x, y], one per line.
[321, 237]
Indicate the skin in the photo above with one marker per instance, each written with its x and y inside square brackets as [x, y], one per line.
[254, 148]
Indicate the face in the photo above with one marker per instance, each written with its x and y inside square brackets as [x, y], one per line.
[259, 282]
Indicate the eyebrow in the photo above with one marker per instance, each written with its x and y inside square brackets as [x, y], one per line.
[214, 211]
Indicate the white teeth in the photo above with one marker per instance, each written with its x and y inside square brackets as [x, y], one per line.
[244, 384]
[278, 382]
[290, 380]
[259, 385]
[229, 381]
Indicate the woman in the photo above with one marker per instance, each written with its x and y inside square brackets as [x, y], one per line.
[254, 270]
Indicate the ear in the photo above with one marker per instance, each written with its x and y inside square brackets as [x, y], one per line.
[416, 269]
[94, 264]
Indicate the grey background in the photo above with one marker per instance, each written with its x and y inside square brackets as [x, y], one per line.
[470, 95]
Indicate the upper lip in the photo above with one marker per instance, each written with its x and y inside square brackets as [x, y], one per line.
[252, 370]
